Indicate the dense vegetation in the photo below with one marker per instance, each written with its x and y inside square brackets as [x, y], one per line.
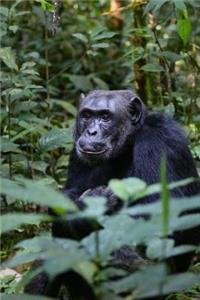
[50, 53]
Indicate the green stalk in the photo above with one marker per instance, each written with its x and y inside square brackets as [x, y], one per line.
[165, 197]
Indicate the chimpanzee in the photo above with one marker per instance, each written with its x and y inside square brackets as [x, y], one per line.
[115, 136]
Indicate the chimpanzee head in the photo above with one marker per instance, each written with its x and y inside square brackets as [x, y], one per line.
[106, 121]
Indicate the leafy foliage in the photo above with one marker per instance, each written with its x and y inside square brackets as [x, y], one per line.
[148, 45]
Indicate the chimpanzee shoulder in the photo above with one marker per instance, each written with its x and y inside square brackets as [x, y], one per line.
[161, 135]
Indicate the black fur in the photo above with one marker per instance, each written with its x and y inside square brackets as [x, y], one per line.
[139, 155]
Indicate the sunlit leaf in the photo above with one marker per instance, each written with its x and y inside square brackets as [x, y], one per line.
[8, 146]
[105, 35]
[66, 105]
[100, 45]
[184, 26]
[153, 281]
[127, 188]
[152, 68]
[36, 192]
[8, 58]
[56, 138]
[46, 5]
[12, 221]
[119, 189]
[179, 5]
[81, 82]
[159, 247]
[81, 37]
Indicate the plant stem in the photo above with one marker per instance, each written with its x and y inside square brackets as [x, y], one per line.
[46, 58]
[97, 250]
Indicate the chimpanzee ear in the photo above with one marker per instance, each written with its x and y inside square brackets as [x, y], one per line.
[136, 109]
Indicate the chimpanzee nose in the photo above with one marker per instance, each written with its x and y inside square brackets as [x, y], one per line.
[91, 131]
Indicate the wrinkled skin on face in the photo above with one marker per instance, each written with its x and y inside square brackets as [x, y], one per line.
[106, 121]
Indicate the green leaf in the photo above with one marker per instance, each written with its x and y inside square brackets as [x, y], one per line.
[61, 260]
[32, 129]
[42, 243]
[13, 220]
[119, 189]
[56, 138]
[185, 222]
[39, 165]
[170, 55]
[8, 58]
[36, 192]
[8, 146]
[183, 26]
[154, 5]
[152, 68]
[111, 239]
[81, 82]
[30, 72]
[4, 11]
[87, 269]
[100, 45]
[156, 187]
[134, 186]
[141, 280]
[175, 208]
[81, 37]
[127, 188]
[152, 281]
[66, 105]
[37, 247]
[158, 248]
[13, 28]
[105, 35]
[28, 64]
[96, 206]
[180, 250]
[179, 5]
[100, 83]
[46, 5]
[97, 30]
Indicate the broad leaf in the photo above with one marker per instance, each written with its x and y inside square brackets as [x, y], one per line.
[81, 82]
[9, 146]
[105, 35]
[66, 105]
[127, 188]
[36, 192]
[100, 45]
[56, 138]
[152, 68]
[8, 58]
[183, 26]
[81, 37]
[12, 221]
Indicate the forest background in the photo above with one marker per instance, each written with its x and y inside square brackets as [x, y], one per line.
[51, 51]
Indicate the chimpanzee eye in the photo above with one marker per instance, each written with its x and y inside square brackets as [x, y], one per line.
[105, 116]
[86, 114]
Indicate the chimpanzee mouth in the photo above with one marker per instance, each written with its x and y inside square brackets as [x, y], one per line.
[86, 152]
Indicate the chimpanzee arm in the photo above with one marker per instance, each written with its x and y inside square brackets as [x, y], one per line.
[77, 183]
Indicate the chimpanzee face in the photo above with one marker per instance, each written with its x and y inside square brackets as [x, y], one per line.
[104, 123]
